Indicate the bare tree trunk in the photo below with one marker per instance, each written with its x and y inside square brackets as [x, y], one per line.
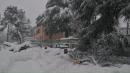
[20, 37]
[41, 40]
[50, 40]
[93, 59]
[127, 32]
[42, 36]
[7, 32]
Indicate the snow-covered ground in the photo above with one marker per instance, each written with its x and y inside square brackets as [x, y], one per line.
[51, 60]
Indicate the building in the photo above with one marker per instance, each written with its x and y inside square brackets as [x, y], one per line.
[71, 41]
[124, 28]
[41, 35]
[125, 31]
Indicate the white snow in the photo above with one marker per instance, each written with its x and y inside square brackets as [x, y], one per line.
[70, 37]
[1, 26]
[15, 46]
[65, 12]
[3, 35]
[51, 60]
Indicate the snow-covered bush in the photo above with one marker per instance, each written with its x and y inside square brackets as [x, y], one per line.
[16, 47]
[119, 60]
[110, 45]
[3, 36]
[76, 56]
[79, 57]
[106, 46]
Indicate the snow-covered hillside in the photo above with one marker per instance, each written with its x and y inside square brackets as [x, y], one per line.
[51, 60]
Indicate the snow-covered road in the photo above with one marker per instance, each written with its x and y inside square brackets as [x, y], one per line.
[51, 60]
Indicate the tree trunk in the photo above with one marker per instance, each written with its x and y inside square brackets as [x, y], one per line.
[7, 32]
[127, 32]
[19, 37]
[66, 33]
[50, 40]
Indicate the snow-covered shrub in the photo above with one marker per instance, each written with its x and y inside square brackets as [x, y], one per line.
[16, 47]
[9, 46]
[106, 46]
[113, 44]
[119, 60]
[79, 57]
[76, 56]
[3, 36]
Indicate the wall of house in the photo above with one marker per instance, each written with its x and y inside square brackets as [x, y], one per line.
[54, 37]
[38, 33]
[41, 35]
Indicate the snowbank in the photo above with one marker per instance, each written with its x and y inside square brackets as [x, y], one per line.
[5, 60]
[51, 60]
[15, 47]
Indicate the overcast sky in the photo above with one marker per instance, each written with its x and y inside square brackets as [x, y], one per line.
[33, 8]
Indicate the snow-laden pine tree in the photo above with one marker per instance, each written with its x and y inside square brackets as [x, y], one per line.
[97, 17]
[57, 17]
[15, 21]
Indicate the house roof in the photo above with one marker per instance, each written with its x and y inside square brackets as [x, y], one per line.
[125, 28]
[69, 38]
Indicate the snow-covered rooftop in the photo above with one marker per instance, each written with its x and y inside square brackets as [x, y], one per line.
[70, 37]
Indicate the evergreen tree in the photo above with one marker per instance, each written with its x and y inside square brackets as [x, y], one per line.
[86, 12]
[57, 17]
[16, 22]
